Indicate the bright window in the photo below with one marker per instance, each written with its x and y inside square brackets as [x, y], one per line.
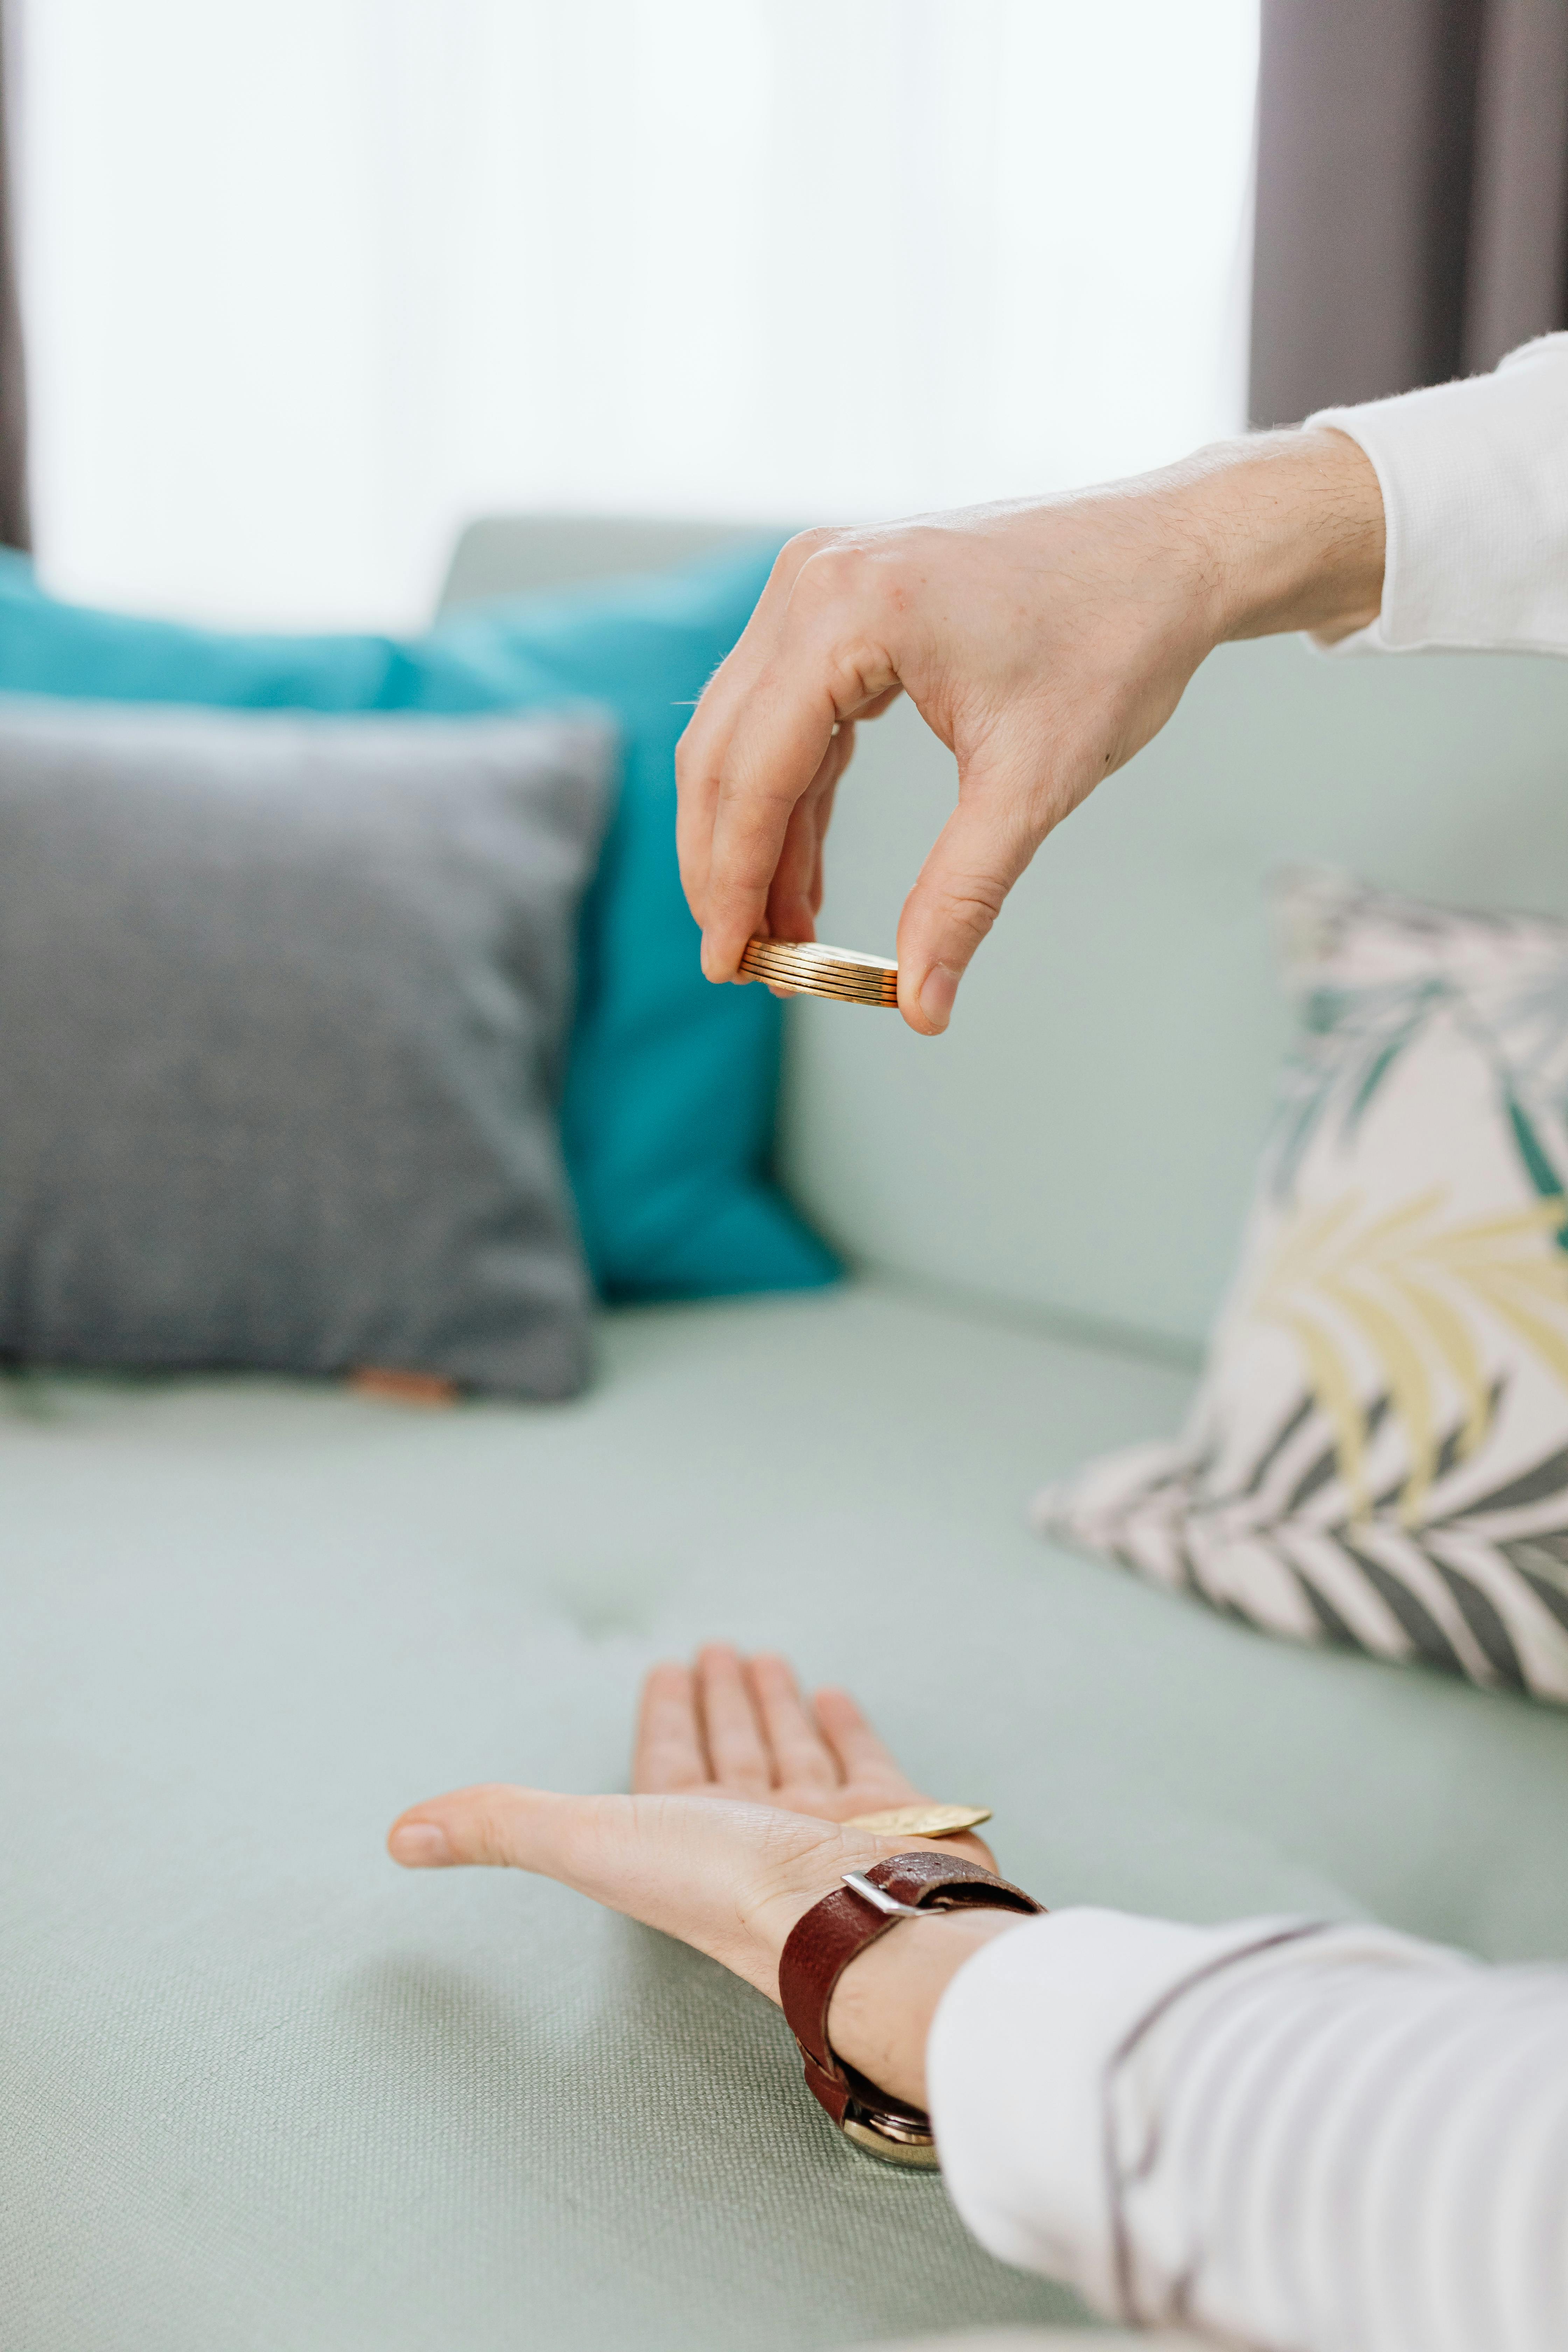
[309, 284]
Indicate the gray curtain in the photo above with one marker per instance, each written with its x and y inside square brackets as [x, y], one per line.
[1411, 193]
[15, 527]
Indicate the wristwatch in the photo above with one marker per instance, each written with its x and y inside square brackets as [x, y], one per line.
[820, 1948]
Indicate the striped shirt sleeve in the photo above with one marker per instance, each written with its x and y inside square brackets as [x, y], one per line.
[1304, 2137]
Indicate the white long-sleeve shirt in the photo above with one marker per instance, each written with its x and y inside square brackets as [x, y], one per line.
[1305, 2137]
[1299, 2137]
[1475, 500]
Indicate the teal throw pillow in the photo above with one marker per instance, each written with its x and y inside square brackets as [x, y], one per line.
[668, 1106]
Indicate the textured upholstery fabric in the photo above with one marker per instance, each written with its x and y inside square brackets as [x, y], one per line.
[286, 1008]
[1051, 2339]
[264, 2091]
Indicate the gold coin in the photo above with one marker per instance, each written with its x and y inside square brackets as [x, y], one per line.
[824, 988]
[785, 975]
[814, 951]
[812, 971]
[819, 976]
[922, 1821]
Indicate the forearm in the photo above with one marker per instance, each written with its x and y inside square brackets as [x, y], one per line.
[1293, 527]
[884, 2004]
[1436, 519]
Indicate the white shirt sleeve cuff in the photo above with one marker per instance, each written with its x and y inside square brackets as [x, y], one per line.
[1475, 492]
[1017, 2070]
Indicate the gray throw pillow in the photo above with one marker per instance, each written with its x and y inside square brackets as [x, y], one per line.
[283, 1012]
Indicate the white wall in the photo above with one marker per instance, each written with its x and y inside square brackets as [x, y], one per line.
[309, 283]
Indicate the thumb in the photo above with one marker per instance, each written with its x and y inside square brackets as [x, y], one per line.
[980, 853]
[518, 1829]
[730, 1878]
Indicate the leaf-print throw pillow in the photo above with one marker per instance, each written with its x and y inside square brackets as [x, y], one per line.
[1378, 1455]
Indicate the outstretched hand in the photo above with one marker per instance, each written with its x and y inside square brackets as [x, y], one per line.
[733, 1828]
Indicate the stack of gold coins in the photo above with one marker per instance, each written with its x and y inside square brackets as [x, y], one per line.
[822, 971]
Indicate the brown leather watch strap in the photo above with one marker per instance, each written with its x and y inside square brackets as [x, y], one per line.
[835, 1931]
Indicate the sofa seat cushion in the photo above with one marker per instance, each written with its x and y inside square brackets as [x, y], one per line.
[267, 2090]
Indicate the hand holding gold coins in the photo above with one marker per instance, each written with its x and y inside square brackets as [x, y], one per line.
[811, 970]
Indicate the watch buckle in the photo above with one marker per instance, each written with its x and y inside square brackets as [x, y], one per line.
[878, 1897]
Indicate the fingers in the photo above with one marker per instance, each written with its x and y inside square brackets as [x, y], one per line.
[703, 748]
[791, 905]
[862, 1755]
[824, 819]
[790, 913]
[740, 1727]
[699, 764]
[794, 895]
[738, 1759]
[667, 1754]
[813, 656]
[802, 1758]
[829, 661]
[756, 799]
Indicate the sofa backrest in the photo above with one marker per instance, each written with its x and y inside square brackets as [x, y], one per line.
[1081, 1144]
[511, 555]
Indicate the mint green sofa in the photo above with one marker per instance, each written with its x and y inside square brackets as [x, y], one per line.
[266, 2093]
